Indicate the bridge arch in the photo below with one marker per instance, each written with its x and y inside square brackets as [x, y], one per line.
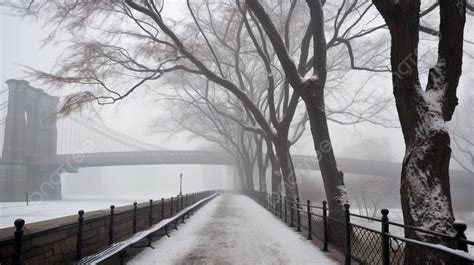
[27, 137]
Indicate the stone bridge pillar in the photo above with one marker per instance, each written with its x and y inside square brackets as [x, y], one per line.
[30, 134]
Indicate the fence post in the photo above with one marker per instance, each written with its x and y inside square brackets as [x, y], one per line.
[150, 216]
[460, 227]
[80, 222]
[111, 227]
[177, 203]
[268, 202]
[275, 203]
[182, 207]
[385, 238]
[17, 259]
[281, 206]
[285, 203]
[171, 206]
[298, 215]
[272, 209]
[310, 226]
[134, 217]
[347, 234]
[162, 208]
[186, 204]
[325, 226]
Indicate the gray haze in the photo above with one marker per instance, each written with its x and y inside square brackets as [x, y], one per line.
[21, 45]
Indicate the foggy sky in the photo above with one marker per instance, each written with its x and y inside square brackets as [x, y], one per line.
[21, 45]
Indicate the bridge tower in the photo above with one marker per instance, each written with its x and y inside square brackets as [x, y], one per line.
[30, 134]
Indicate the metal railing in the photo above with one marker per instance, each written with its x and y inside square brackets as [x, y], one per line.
[365, 245]
[175, 205]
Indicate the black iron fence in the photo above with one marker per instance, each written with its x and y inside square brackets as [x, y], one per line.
[172, 205]
[363, 244]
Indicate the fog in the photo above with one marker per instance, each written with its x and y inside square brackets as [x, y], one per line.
[21, 46]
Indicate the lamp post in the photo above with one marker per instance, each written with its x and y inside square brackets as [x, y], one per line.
[180, 184]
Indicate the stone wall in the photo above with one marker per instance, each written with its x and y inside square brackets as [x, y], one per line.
[54, 241]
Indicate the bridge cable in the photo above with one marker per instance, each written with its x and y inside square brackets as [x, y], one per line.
[116, 136]
[84, 124]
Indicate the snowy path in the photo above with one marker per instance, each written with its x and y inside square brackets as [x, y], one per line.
[233, 229]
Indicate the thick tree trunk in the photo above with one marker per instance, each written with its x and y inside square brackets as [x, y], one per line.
[425, 193]
[289, 184]
[425, 188]
[333, 178]
[312, 92]
[276, 171]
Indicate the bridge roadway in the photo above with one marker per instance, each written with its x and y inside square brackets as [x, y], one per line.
[71, 162]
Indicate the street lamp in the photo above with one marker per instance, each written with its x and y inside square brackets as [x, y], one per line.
[180, 184]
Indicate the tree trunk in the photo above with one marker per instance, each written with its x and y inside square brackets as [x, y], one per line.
[248, 171]
[312, 91]
[276, 171]
[333, 178]
[425, 193]
[262, 168]
[289, 184]
[425, 188]
[262, 183]
[241, 176]
[276, 178]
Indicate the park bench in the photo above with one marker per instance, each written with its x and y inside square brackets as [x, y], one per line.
[122, 246]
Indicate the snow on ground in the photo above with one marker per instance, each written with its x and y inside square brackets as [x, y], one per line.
[233, 229]
[35, 212]
[44, 210]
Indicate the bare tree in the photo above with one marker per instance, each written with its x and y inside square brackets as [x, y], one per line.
[425, 189]
[196, 115]
[215, 117]
[279, 104]
[311, 90]
[133, 41]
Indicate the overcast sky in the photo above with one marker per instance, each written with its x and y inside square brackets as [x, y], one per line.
[21, 45]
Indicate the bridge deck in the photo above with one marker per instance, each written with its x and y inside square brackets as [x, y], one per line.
[233, 229]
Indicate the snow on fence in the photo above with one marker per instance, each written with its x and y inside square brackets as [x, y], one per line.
[67, 239]
[363, 244]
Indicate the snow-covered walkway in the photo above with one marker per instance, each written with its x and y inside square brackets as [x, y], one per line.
[233, 229]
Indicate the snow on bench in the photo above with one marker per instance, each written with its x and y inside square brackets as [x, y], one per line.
[122, 246]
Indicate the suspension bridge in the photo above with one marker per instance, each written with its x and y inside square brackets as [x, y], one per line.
[37, 147]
